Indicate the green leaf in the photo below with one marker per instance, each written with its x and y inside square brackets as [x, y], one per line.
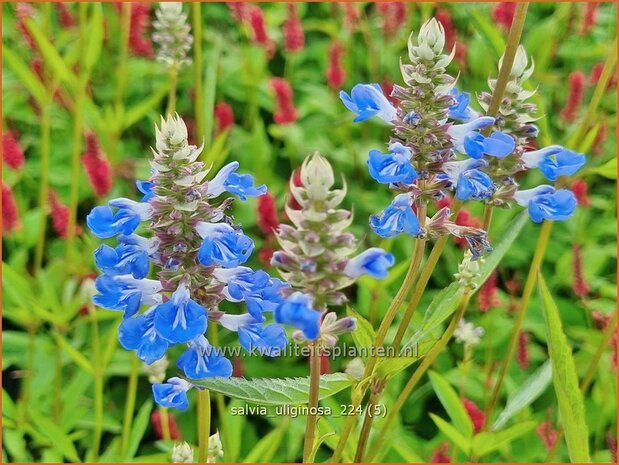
[452, 434]
[25, 75]
[59, 440]
[139, 111]
[530, 390]
[275, 391]
[140, 423]
[364, 336]
[489, 31]
[94, 40]
[75, 354]
[484, 443]
[452, 404]
[216, 154]
[265, 449]
[608, 169]
[565, 380]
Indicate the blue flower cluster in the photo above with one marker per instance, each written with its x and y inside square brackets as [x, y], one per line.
[200, 256]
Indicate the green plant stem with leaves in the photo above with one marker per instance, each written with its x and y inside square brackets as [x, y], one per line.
[198, 107]
[132, 387]
[44, 189]
[204, 424]
[425, 364]
[538, 256]
[314, 390]
[98, 370]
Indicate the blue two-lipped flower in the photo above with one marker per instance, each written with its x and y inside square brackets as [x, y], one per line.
[374, 262]
[267, 340]
[397, 218]
[554, 161]
[498, 144]
[105, 222]
[392, 167]
[297, 311]
[547, 203]
[180, 319]
[202, 360]
[241, 185]
[132, 256]
[126, 293]
[461, 110]
[146, 188]
[139, 334]
[172, 393]
[458, 132]
[468, 180]
[223, 245]
[368, 100]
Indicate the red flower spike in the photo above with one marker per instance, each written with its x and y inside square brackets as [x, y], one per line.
[255, 18]
[97, 166]
[24, 11]
[65, 17]
[576, 84]
[294, 37]
[155, 420]
[285, 112]
[476, 415]
[580, 188]
[224, 117]
[60, 216]
[522, 356]
[12, 153]
[393, 16]
[488, 294]
[10, 214]
[547, 434]
[579, 285]
[503, 14]
[441, 454]
[267, 214]
[140, 42]
[336, 75]
[589, 18]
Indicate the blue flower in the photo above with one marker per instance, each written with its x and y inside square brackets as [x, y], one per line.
[180, 319]
[202, 360]
[146, 188]
[132, 256]
[126, 293]
[458, 132]
[498, 144]
[546, 203]
[368, 100]
[227, 180]
[266, 340]
[223, 245]
[392, 167]
[374, 262]
[139, 334]
[554, 161]
[104, 223]
[173, 393]
[397, 218]
[474, 184]
[461, 109]
[297, 311]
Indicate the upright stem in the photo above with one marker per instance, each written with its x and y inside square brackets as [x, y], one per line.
[172, 92]
[366, 427]
[538, 257]
[314, 390]
[57, 407]
[121, 70]
[197, 64]
[24, 395]
[44, 189]
[426, 363]
[165, 423]
[204, 424]
[132, 388]
[98, 394]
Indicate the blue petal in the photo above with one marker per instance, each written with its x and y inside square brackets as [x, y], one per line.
[243, 186]
[296, 310]
[180, 323]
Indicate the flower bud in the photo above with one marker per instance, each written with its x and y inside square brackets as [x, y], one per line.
[432, 35]
[355, 368]
[156, 371]
[469, 271]
[182, 453]
[215, 448]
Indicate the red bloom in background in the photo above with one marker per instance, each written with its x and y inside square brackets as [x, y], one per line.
[351, 15]
[265, 254]
[487, 294]
[576, 84]
[97, 166]
[503, 14]
[579, 285]
[12, 153]
[140, 42]
[393, 15]
[24, 11]
[238, 10]
[267, 214]
[476, 415]
[255, 17]
[451, 36]
[224, 117]
[66, 18]
[296, 181]
[580, 188]
[335, 71]
[60, 216]
[547, 434]
[155, 420]
[285, 111]
[10, 214]
[522, 356]
[589, 18]
[294, 37]
[441, 454]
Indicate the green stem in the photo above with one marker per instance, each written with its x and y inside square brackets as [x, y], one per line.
[197, 64]
[98, 394]
[24, 396]
[172, 92]
[121, 70]
[132, 388]
[44, 190]
[204, 424]
[165, 423]
[75, 175]
[426, 363]
[529, 286]
[213, 336]
[366, 427]
[57, 407]
[314, 390]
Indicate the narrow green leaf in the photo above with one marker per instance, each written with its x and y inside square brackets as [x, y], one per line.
[140, 423]
[484, 443]
[72, 352]
[94, 40]
[608, 169]
[490, 32]
[452, 404]
[25, 75]
[59, 440]
[139, 111]
[215, 155]
[452, 434]
[530, 390]
[364, 336]
[276, 391]
[565, 379]
[265, 449]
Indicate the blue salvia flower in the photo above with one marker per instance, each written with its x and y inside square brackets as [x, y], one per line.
[554, 161]
[461, 110]
[317, 256]
[397, 218]
[392, 167]
[368, 100]
[197, 251]
[547, 203]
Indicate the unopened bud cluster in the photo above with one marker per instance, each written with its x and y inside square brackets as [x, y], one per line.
[172, 34]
